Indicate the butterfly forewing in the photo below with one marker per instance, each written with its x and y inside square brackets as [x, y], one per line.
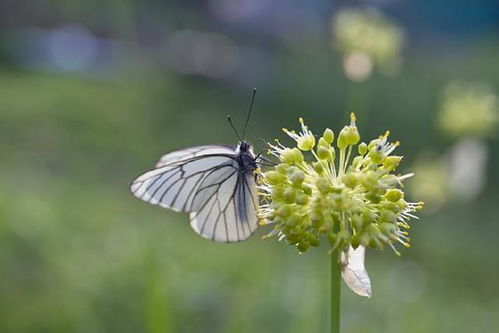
[207, 182]
[179, 156]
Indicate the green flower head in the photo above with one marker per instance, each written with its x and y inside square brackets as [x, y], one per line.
[368, 32]
[469, 109]
[327, 190]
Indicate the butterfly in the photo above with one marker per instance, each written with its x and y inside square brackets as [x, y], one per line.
[215, 184]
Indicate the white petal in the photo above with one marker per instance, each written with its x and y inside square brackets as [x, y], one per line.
[353, 271]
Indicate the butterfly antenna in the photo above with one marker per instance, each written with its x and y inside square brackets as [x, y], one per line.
[259, 140]
[249, 112]
[233, 127]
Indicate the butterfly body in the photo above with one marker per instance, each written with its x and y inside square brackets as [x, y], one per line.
[245, 158]
[215, 184]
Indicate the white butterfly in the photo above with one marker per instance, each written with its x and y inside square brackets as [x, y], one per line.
[215, 184]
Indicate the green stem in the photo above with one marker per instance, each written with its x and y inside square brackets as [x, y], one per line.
[335, 292]
[341, 162]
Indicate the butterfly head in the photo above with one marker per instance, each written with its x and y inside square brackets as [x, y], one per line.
[244, 147]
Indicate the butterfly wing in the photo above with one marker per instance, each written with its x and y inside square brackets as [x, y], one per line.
[177, 176]
[185, 154]
[225, 209]
[206, 182]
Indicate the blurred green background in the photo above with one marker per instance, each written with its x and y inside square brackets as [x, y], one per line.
[92, 93]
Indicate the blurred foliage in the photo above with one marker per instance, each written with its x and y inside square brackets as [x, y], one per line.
[79, 254]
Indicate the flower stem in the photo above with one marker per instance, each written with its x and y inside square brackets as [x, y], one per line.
[335, 292]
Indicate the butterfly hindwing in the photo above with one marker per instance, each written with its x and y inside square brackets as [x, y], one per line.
[230, 214]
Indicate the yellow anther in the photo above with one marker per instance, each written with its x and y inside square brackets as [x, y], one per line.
[353, 119]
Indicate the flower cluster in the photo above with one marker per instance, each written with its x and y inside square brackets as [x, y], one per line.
[366, 38]
[350, 202]
[469, 110]
[431, 182]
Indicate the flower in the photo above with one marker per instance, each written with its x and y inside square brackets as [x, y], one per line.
[431, 182]
[366, 38]
[458, 174]
[468, 109]
[347, 200]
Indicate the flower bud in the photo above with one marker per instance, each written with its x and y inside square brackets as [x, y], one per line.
[369, 180]
[389, 180]
[277, 194]
[392, 162]
[362, 148]
[388, 216]
[388, 228]
[328, 136]
[364, 239]
[342, 141]
[390, 206]
[373, 197]
[293, 220]
[319, 167]
[292, 156]
[315, 217]
[324, 153]
[353, 136]
[307, 190]
[357, 221]
[369, 217]
[289, 195]
[297, 177]
[374, 231]
[349, 135]
[275, 178]
[394, 195]
[356, 161]
[302, 199]
[323, 143]
[287, 156]
[284, 211]
[282, 168]
[323, 185]
[350, 179]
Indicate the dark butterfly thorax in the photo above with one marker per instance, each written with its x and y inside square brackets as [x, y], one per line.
[245, 158]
